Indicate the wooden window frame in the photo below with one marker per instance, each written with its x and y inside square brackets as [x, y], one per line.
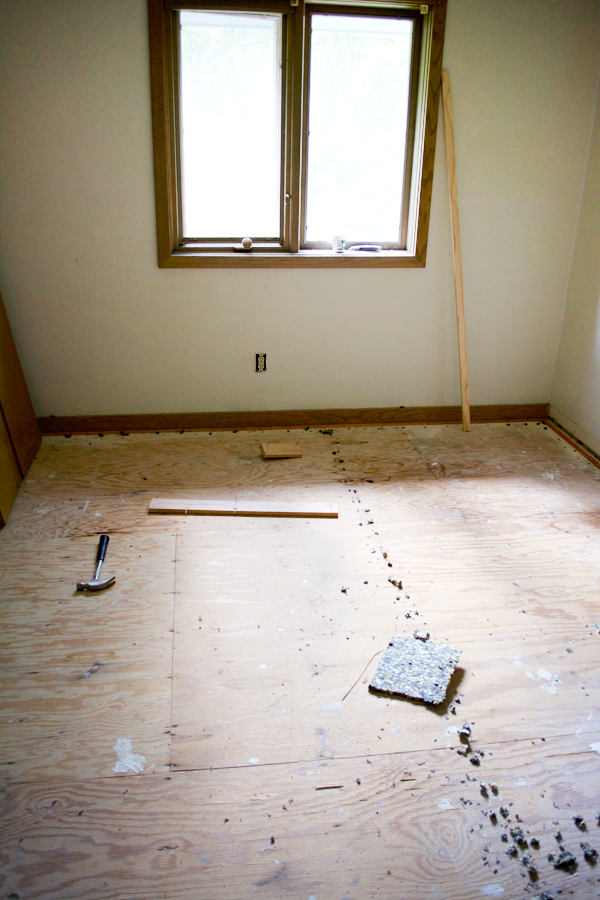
[173, 251]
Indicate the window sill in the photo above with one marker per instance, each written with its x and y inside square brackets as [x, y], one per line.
[311, 259]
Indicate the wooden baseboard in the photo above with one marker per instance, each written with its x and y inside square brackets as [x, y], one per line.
[574, 430]
[574, 441]
[289, 418]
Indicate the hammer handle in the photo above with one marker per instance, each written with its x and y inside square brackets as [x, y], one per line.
[104, 539]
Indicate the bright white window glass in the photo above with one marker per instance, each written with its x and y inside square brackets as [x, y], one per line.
[358, 113]
[230, 125]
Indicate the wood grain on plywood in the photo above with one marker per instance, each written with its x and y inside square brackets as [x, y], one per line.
[401, 826]
[232, 642]
[82, 671]
[61, 724]
[271, 656]
[45, 618]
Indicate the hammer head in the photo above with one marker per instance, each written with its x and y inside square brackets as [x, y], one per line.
[95, 584]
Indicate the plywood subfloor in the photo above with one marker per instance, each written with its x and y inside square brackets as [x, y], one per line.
[166, 737]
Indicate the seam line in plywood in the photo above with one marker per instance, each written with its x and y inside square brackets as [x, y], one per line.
[307, 762]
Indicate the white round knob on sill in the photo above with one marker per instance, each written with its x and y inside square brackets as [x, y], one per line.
[246, 243]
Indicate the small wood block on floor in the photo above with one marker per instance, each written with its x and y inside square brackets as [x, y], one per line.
[280, 451]
[178, 506]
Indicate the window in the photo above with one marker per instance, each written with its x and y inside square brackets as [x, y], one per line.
[293, 125]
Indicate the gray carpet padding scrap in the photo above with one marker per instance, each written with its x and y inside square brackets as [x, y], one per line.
[417, 669]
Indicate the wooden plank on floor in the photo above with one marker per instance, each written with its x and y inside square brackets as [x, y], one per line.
[210, 464]
[83, 486]
[271, 450]
[178, 506]
[297, 510]
[406, 826]
[282, 509]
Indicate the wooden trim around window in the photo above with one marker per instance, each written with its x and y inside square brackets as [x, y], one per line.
[290, 418]
[431, 120]
[163, 82]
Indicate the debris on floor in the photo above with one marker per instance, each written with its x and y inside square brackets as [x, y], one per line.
[416, 669]
[517, 835]
[527, 861]
[566, 860]
[589, 854]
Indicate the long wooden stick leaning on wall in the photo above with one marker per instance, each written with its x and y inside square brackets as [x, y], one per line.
[458, 274]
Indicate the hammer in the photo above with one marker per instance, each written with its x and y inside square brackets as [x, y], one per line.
[95, 584]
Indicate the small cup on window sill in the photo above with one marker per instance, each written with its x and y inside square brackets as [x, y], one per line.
[338, 243]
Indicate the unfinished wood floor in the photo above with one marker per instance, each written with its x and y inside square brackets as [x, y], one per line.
[184, 734]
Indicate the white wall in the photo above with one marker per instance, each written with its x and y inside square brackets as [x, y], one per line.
[576, 391]
[101, 329]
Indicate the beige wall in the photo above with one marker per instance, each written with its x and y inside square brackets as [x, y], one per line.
[576, 391]
[101, 330]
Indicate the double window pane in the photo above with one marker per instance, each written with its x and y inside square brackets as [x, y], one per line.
[358, 118]
[353, 175]
[230, 121]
